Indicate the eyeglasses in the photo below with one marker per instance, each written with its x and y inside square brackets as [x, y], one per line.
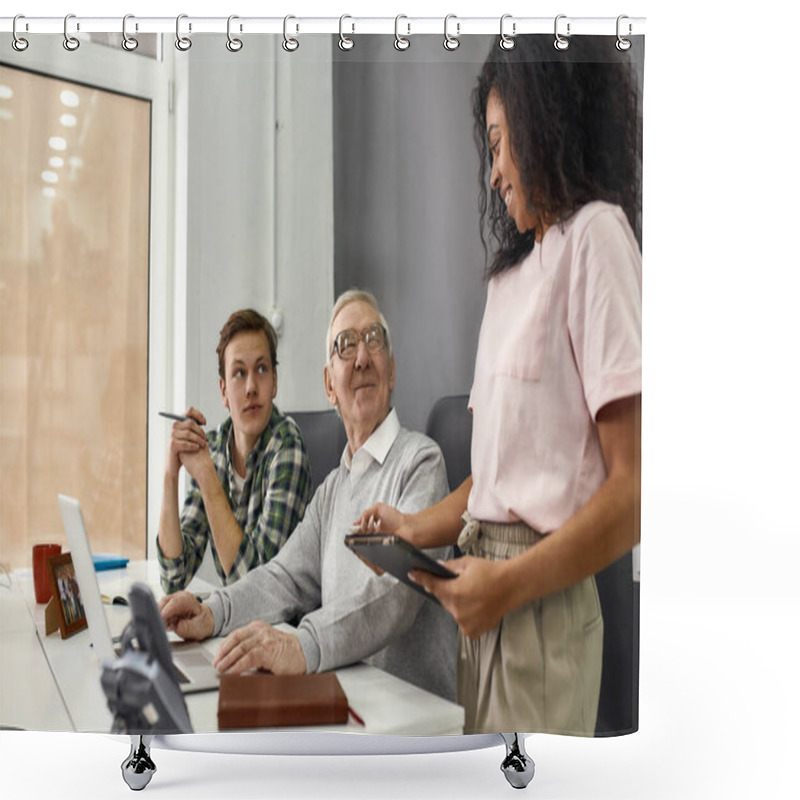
[346, 342]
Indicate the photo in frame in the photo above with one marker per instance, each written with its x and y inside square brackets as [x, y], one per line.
[66, 595]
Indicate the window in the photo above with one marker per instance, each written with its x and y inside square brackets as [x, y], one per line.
[74, 257]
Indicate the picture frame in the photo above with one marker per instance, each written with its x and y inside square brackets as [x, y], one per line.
[66, 595]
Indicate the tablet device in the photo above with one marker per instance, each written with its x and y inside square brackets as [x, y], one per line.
[397, 557]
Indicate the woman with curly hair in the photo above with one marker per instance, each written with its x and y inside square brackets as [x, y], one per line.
[554, 495]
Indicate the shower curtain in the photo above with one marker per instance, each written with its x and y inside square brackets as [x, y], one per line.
[150, 189]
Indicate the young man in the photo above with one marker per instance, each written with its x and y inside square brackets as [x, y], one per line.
[249, 480]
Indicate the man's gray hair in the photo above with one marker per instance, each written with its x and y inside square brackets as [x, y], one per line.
[344, 299]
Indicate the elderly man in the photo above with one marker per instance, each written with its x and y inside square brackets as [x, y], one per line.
[348, 612]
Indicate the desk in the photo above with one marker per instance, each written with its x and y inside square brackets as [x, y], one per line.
[49, 683]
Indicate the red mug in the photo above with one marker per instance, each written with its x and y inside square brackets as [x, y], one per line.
[41, 581]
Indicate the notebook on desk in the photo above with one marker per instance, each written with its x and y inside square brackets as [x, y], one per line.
[193, 662]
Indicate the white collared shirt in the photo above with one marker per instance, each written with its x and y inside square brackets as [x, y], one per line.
[375, 448]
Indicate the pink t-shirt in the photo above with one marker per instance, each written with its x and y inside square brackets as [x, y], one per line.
[561, 337]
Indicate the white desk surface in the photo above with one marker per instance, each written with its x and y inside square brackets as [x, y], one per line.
[49, 683]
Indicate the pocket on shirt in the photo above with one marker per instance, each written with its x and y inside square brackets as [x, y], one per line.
[523, 353]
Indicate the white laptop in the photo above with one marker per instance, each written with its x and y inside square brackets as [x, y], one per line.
[193, 662]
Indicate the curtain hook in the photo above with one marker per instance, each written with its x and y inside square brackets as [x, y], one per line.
[400, 42]
[18, 43]
[233, 44]
[623, 44]
[507, 42]
[345, 43]
[561, 42]
[451, 42]
[129, 43]
[183, 43]
[70, 42]
[290, 44]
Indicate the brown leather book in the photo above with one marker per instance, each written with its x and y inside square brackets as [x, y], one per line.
[262, 700]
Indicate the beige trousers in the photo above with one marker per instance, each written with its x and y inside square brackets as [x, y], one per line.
[539, 670]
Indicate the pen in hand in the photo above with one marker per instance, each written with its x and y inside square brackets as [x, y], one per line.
[180, 417]
[169, 415]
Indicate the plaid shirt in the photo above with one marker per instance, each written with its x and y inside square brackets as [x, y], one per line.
[274, 498]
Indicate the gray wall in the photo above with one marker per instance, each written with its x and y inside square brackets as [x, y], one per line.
[406, 205]
[259, 208]
[229, 251]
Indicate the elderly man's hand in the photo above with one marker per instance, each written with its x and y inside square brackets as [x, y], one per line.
[184, 614]
[260, 646]
[381, 518]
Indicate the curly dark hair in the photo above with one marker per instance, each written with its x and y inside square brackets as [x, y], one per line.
[575, 129]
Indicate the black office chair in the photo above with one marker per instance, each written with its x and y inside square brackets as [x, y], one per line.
[450, 426]
[618, 710]
[325, 438]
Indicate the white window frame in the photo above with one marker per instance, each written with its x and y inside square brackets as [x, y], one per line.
[151, 79]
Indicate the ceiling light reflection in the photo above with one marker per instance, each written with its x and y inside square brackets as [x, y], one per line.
[48, 176]
[70, 99]
[57, 143]
[68, 120]
[56, 162]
